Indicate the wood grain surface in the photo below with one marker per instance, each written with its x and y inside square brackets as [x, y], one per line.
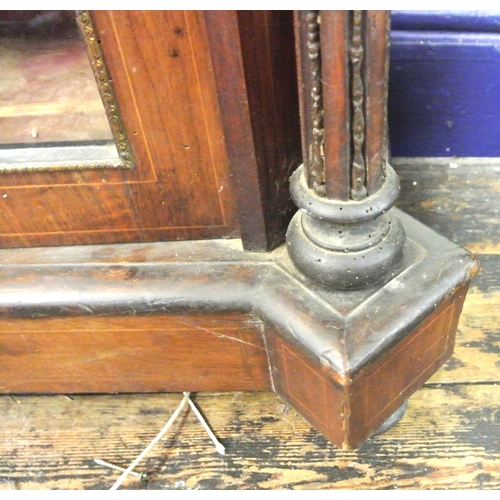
[132, 354]
[337, 105]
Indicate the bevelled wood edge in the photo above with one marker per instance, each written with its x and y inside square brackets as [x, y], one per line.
[225, 51]
[255, 73]
[179, 277]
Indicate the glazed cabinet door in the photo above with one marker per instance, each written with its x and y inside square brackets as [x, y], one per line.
[155, 76]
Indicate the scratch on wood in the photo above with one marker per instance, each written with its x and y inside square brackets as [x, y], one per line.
[220, 335]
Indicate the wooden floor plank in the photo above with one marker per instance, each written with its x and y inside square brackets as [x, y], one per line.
[449, 438]
[477, 351]
[457, 197]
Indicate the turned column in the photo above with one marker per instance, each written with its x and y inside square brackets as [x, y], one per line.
[345, 235]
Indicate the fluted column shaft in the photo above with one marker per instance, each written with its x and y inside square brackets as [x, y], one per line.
[346, 180]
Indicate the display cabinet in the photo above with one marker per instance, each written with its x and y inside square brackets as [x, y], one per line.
[166, 268]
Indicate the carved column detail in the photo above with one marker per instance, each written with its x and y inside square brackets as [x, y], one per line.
[356, 52]
[307, 29]
[345, 235]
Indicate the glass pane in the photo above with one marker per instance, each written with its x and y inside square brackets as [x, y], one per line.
[48, 94]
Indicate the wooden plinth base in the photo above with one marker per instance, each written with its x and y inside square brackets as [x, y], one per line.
[204, 315]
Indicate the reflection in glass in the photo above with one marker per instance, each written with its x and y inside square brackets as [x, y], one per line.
[50, 106]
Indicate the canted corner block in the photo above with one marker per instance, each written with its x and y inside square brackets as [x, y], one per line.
[347, 360]
[372, 349]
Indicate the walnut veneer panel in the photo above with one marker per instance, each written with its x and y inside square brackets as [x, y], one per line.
[379, 389]
[349, 411]
[132, 354]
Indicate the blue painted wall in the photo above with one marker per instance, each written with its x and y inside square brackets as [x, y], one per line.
[444, 83]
